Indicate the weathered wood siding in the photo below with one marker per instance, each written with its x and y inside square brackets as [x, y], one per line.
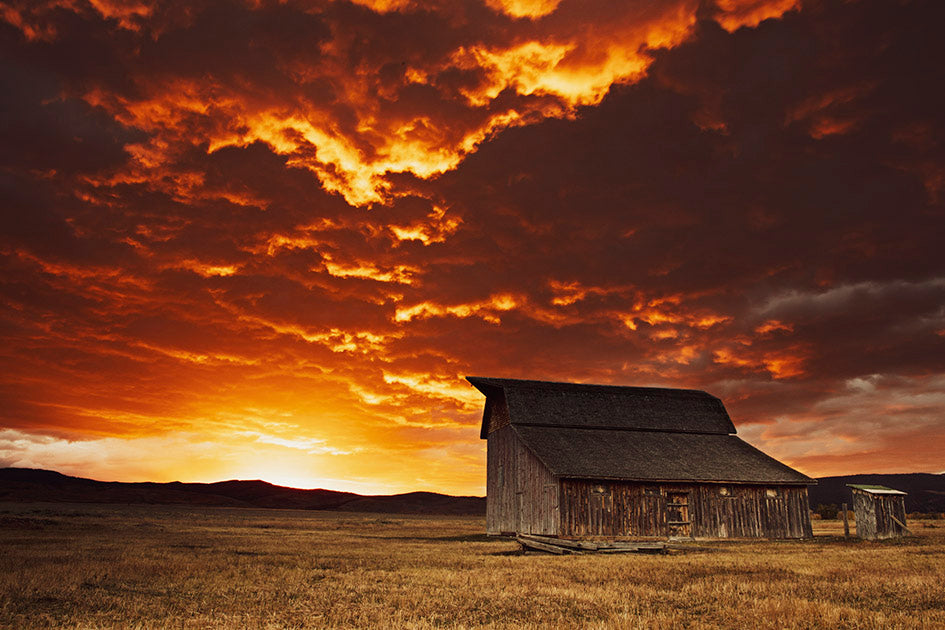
[521, 494]
[592, 508]
[874, 515]
[497, 411]
[749, 511]
[611, 509]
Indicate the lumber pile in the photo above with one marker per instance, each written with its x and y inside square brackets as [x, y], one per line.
[561, 546]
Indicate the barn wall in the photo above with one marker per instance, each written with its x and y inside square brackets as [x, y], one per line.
[501, 499]
[521, 494]
[606, 509]
[750, 511]
[615, 509]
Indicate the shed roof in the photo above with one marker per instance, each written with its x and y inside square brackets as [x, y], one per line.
[631, 433]
[871, 489]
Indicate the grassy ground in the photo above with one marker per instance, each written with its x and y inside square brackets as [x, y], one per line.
[90, 566]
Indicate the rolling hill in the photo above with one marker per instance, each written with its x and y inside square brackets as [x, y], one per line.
[29, 484]
[926, 493]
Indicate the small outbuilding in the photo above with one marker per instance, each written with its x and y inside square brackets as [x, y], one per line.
[598, 461]
[880, 512]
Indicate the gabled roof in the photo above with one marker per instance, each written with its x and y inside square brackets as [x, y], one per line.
[543, 403]
[870, 489]
[630, 433]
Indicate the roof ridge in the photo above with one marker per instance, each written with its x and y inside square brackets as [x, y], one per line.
[602, 427]
[563, 385]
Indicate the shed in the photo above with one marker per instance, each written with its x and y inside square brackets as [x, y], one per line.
[600, 461]
[880, 511]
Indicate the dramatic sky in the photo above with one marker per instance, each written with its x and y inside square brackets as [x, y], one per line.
[262, 239]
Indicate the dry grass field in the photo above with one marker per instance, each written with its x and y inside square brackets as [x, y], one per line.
[93, 566]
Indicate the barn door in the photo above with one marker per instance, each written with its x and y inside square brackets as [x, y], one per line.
[777, 514]
[601, 511]
[678, 524]
[549, 509]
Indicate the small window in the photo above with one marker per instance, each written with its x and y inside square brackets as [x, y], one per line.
[723, 490]
[600, 489]
[771, 492]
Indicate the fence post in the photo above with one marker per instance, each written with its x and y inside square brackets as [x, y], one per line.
[846, 522]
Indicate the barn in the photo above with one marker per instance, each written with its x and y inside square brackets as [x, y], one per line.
[598, 461]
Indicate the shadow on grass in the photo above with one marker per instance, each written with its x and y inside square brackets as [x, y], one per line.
[474, 538]
[511, 552]
[901, 541]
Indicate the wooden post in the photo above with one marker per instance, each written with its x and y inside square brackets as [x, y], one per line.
[846, 522]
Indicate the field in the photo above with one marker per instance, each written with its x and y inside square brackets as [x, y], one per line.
[94, 566]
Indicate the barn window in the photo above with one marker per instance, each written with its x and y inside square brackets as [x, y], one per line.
[723, 490]
[600, 489]
[771, 492]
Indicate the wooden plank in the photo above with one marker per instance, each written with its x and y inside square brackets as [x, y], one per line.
[562, 542]
[901, 524]
[637, 549]
[631, 546]
[579, 546]
[540, 546]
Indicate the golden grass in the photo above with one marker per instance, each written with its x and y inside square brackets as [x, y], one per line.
[85, 566]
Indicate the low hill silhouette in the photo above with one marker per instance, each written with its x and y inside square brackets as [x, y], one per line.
[926, 491]
[30, 484]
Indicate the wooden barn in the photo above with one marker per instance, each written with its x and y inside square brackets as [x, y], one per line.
[880, 511]
[576, 461]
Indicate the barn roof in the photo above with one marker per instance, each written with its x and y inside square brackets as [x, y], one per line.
[545, 403]
[654, 456]
[631, 433]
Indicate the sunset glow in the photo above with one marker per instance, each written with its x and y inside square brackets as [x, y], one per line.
[269, 239]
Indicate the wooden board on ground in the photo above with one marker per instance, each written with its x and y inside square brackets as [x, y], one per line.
[563, 546]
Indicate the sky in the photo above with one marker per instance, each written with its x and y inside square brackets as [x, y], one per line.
[267, 240]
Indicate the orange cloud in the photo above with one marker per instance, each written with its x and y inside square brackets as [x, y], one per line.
[486, 309]
[773, 325]
[735, 14]
[525, 8]
[550, 76]
[784, 364]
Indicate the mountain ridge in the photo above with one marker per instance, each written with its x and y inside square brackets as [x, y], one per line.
[33, 484]
[926, 493]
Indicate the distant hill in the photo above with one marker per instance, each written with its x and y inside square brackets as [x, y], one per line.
[30, 484]
[926, 491]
